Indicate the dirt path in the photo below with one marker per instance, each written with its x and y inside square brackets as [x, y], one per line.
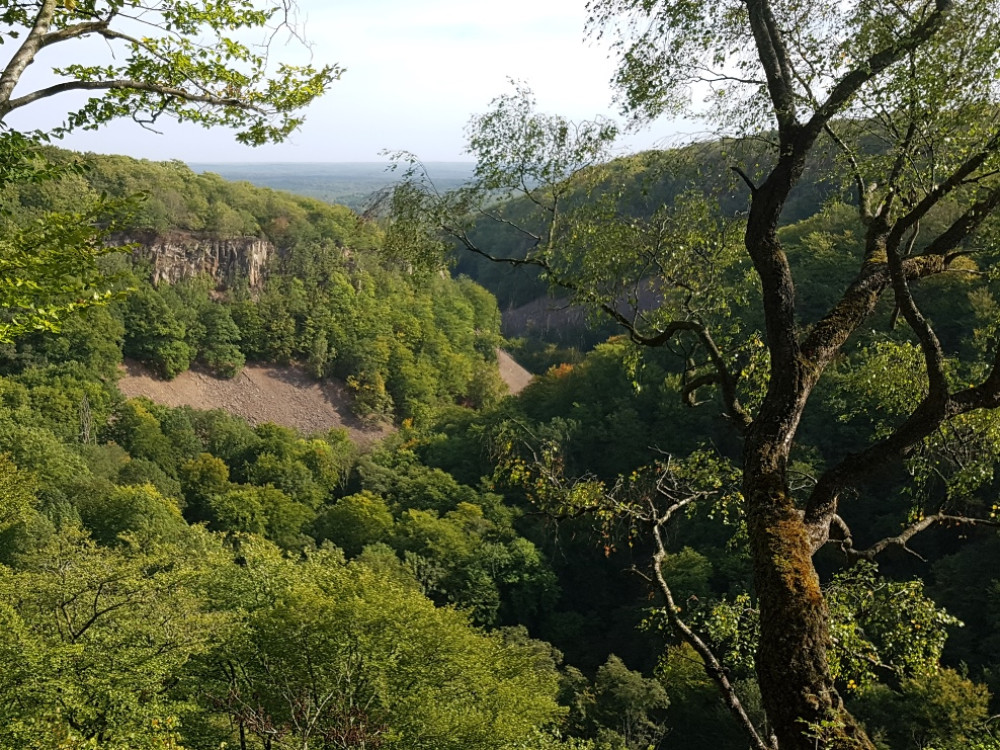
[260, 393]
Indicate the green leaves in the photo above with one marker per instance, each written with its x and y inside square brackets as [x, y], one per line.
[883, 629]
[333, 651]
[48, 266]
[519, 149]
[93, 639]
[191, 63]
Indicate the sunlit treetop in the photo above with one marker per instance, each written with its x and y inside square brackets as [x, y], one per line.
[189, 59]
[691, 56]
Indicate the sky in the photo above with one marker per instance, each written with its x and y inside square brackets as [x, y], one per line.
[415, 72]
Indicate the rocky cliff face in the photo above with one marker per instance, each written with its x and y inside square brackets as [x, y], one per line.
[177, 255]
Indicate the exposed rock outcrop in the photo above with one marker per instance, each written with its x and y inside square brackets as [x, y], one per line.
[177, 255]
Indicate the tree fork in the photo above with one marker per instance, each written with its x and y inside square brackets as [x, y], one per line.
[792, 669]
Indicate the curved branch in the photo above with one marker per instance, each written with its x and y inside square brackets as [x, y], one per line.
[125, 84]
[25, 54]
[848, 85]
[691, 387]
[930, 345]
[933, 410]
[472, 247]
[725, 379]
[713, 668]
[858, 302]
[76, 31]
[964, 226]
[901, 540]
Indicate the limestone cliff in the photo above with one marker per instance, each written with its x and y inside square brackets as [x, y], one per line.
[177, 255]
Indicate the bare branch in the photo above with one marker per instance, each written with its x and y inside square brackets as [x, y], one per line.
[864, 194]
[743, 175]
[507, 222]
[713, 668]
[75, 31]
[690, 387]
[667, 332]
[964, 226]
[902, 540]
[902, 158]
[472, 247]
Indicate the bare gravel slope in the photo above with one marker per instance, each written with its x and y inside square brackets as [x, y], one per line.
[260, 393]
[283, 395]
[515, 376]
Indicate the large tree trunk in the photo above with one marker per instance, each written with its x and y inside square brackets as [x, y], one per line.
[799, 697]
[797, 689]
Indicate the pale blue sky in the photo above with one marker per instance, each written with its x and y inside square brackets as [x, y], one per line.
[416, 71]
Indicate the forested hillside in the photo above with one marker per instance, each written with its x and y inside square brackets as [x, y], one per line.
[749, 500]
[168, 575]
[402, 341]
[173, 576]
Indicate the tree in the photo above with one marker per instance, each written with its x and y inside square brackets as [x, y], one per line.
[181, 58]
[48, 265]
[95, 638]
[343, 656]
[906, 94]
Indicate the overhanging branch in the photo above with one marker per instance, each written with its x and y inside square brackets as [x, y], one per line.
[722, 375]
[129, 85]
[25, 54]
[873, 65]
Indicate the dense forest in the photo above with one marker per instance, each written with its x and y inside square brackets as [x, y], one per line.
[748, 500]
[175, 576]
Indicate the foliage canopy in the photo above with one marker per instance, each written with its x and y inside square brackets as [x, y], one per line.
[906, 96]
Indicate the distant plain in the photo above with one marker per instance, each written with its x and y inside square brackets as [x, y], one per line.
[348, 183]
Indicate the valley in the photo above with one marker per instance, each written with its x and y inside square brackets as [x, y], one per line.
[559, 448]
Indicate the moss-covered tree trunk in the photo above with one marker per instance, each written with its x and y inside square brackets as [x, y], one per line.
[799, 697]
[796, 685]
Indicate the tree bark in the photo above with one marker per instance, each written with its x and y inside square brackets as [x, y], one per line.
[797, 688]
